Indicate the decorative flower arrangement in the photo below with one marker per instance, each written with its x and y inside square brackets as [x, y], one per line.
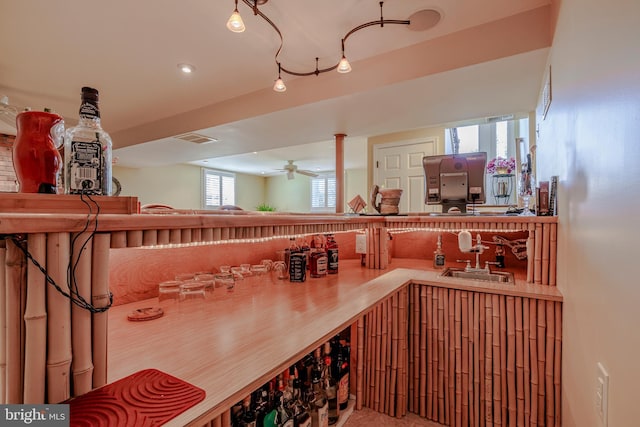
[500, 165]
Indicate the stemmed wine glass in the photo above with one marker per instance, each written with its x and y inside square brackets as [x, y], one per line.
[526, 189]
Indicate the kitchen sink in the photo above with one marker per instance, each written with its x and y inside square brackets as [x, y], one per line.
[494, 276]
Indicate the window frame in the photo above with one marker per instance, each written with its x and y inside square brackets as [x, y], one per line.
[326, 176]
[205, 172]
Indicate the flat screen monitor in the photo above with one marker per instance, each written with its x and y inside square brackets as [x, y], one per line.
[455, 180]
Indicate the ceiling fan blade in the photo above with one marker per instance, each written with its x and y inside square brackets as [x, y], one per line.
[307, 173]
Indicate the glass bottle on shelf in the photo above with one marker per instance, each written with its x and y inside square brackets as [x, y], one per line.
[438, 254]
[248, 418]
[332, 254]
[526, 187]
[341, 369]
[318, 261]
[330, 387]
[320, 413]
[297, 267]
[87, 151]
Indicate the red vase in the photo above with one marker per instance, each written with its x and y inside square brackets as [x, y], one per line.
[36, 159]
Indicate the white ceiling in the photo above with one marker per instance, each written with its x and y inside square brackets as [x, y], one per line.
[401, 79]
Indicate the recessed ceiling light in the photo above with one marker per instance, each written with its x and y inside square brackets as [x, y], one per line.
[186, 68]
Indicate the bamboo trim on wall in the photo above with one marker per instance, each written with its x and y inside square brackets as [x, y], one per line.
[59, 352]
[99, 299]
[82, 364]
[3, 326]
[35, 323]
[15, 273]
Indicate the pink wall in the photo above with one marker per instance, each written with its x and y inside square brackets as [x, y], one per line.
[591, 139]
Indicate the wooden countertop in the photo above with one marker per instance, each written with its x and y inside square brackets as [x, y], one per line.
[71, 222]
[235, 342]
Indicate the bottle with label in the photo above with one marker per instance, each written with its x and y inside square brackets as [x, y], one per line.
[499, 256]
[302, 416]
[332, 254]
[438, 255]
[330, 387]
[87, 151]
[248, 418]
[306, 250]
[341, 369]
[320, 413]
[318, 261]
[297, 264]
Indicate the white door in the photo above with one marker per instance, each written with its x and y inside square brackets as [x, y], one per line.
[399, 165]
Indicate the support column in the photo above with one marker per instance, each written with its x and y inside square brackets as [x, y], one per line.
[340, 172]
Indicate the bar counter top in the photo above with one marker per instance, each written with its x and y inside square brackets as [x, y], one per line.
[234, 342]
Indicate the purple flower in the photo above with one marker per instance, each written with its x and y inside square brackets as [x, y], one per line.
[501, 163]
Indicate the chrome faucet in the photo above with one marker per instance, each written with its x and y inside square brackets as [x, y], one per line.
[464, 242]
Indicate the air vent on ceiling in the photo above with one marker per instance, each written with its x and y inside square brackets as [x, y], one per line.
[499, 118]
[196, 138]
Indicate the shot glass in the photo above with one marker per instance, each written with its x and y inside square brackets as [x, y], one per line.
[280, 268]
[208, 280]
[225, 281]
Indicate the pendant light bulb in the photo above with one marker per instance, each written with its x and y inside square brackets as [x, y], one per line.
[235, 22]
[279, 84]
[344, 66]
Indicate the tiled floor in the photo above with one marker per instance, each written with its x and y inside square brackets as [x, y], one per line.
[369, 418]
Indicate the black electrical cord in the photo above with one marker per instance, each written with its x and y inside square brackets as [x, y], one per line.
[73, 294]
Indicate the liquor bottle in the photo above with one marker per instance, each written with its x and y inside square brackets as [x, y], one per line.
[320, 413]
[284, 418]
[87, 151]
[297, 267]
[332, 254]
[302, 416]
[306, 250]
[261, 405]
[248, 418]
[341, 351]
[499, 256]
[438, 255]
[319, 261]
[330, 387]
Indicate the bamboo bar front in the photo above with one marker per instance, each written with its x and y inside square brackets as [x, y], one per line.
[495, 386]
[426, 349]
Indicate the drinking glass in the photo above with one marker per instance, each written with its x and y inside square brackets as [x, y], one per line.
[192, 293]
[226, 281]
[208, 280]
[184, 276]
[281, 270]
[168, 294]
[526, 189]
[259, 269]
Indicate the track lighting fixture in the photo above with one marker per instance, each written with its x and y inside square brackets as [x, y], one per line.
[343, 65]
[279, 84]
[235, 24]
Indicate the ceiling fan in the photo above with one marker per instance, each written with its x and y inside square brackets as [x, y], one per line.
[292, 169]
